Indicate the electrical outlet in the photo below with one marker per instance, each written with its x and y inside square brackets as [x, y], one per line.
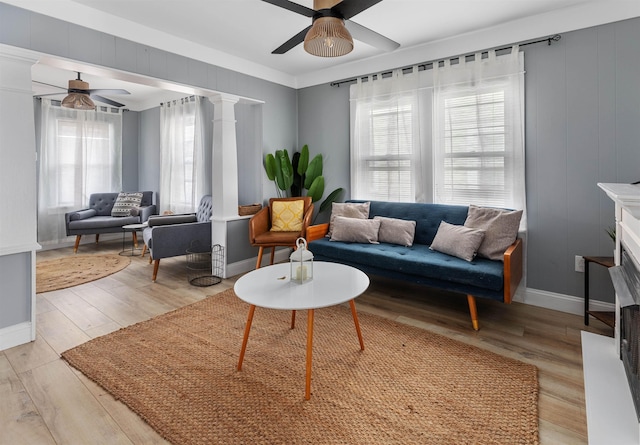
[579, 264]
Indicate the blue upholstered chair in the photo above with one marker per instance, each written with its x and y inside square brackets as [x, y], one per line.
[171, 235]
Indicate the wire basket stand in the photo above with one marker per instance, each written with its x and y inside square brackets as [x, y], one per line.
[204, 267]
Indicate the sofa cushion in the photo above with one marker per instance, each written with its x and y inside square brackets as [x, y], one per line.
[358, 210]
[459, 241]
[286, 216]
[82, 214]
[396, 231]
[102, 222]
[418, 261]
[125, 202]
[500, 226]
[355, 230]
[164, 220]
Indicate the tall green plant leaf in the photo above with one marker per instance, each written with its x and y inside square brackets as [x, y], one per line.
[313, 171]
[303, 161]
[296, 187]
[279, 175]
[270, 166]
[286, 168]
[316, 189]
[333, 196]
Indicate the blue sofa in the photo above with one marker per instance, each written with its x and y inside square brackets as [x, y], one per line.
[485, 278]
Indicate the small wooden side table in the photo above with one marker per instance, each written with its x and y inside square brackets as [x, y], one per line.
[606, 317]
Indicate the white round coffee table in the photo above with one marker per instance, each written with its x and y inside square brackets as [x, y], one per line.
[269, 287]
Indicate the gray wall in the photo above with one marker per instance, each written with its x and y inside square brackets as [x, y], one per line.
[25, 29]
[15, 296]
[582, 127]
[130, 151]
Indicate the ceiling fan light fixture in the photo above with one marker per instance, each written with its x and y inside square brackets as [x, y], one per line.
[328, 37]
[77, 97]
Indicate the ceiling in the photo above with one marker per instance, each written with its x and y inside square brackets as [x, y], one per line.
[240, 34]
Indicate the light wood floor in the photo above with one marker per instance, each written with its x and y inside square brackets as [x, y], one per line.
[44, 401]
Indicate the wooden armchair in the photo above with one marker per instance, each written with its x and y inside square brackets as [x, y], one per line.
[261, 235]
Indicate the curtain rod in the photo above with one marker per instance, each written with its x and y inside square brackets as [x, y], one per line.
[423, 65]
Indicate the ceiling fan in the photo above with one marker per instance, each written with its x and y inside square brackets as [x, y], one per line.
[330, 33]
[79, 95]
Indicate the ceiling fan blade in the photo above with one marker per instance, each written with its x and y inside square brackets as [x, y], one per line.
[105, 100]
[349, 8]
[370, 37]
[292, 42]
[61, 93]
[291, 6]
[50, 85]
[108, 91]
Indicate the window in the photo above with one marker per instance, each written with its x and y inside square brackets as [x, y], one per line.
[182, 168]
[385, 143]
[387, 167]
[80, 153]
[473, 159]
[74, 183]
[452, 134]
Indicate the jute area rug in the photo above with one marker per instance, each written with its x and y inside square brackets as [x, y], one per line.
[409, 386]
[61, 273]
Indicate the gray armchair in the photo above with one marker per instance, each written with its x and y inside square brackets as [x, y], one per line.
[97, 218]
[171, 235]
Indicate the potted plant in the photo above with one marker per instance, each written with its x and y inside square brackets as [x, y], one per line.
[298, 176]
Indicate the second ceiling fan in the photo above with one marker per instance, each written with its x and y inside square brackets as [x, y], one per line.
[330, 34]
[79, 95]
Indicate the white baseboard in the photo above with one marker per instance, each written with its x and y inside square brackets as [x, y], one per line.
[559, 302]
[15, 335]
[249, 264]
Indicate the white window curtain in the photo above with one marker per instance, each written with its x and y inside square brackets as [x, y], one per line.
[388, 138]
[479, 131]
[182, 169]
[80, 154]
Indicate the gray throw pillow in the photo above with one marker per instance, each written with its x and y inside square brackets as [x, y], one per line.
[500, 226]
[349, 210]
[125, 202]
[459, 241]
[355, 230]
[396, 231]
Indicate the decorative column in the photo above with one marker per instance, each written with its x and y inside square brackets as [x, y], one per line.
[224, 170]
[18, 201]
[225, 157]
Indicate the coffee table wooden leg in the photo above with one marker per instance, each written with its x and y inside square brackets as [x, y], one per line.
[307, 393]
[247, 328]
[293, 319]
[357, 323]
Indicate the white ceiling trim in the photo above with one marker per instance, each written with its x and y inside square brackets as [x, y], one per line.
[530, 28]
[73, 12]
[568, 19]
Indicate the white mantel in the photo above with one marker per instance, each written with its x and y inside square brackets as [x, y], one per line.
[625, 195]
[611, 416]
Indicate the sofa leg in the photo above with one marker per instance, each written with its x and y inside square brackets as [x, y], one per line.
[144, 250]
[135, 239]
[75, 246]
[156, 264]
[97, 237]
[259, 262]
[474, 311]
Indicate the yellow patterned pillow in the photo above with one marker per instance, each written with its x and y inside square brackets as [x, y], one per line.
[286, 216]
